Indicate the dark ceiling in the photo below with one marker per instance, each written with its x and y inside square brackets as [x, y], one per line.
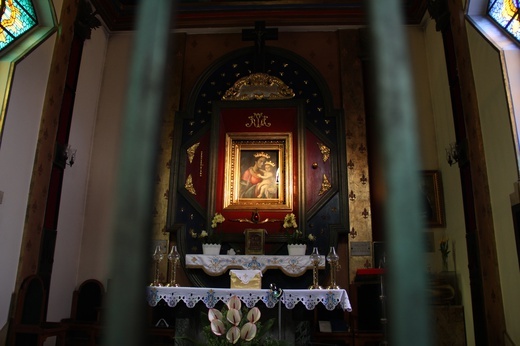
[119, 14]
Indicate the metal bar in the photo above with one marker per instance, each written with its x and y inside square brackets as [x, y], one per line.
[396, 128]
[131, 255]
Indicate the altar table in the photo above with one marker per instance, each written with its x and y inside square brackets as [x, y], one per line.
[211, 296]
[215, 265]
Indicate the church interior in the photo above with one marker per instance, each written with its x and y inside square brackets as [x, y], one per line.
[381, 135]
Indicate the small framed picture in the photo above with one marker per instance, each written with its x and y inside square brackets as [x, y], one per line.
[431, 192]
[254, 241]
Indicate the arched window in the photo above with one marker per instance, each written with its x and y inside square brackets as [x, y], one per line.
[18, 17]
[505, 14]
[24, 24]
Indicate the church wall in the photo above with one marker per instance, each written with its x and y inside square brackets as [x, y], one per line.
[445, 134]
[501, 167]
[73, 258]
[97, 238]
[16, 161]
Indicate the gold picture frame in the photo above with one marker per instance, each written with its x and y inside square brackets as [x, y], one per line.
[255, 239]
[431, 191]
[258, 171]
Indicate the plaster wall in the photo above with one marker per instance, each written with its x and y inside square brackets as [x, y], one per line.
[455, 229]
[16, 161]
[72, 236]
[97, 239]
[501, 166]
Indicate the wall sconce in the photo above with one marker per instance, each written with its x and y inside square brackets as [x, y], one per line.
[64, 155]
[456, 153]
[70, 155]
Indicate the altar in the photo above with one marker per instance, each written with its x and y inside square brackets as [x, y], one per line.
[216, 265]
[330, 299]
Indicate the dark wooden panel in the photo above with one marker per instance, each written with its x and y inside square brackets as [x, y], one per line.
[119, 14]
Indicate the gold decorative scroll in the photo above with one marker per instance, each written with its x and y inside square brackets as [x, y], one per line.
[325, 185]
[258, 120]
[325, 151]
[189, 185]
[191, 151]
[258, 86]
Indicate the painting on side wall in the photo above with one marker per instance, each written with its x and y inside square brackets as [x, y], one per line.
[433, 198]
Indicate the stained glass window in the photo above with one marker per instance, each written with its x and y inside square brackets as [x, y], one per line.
[18, 17]
[505, 14]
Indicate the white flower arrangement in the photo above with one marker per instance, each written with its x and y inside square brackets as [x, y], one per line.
[218, 218]
[296, 237]
[202, 236]
[209, 237]
[290, 221]
[235, 325]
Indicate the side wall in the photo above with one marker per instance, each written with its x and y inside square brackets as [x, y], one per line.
[455, 229]
[16, 161]
[502, 167]
[17, 154]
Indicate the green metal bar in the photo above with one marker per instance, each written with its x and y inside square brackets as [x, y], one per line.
[131, 254]
[408, 308]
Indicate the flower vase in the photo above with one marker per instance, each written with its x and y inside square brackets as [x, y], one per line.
[444, 263]
[296, 249]
[211, 249]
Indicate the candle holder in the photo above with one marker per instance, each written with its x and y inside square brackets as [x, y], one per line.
[315, 258]
[333, 260]
[173, 257]
[157, 257]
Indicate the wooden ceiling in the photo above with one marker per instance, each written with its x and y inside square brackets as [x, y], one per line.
[119, 15]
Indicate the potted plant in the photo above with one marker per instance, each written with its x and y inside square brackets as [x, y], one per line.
[211, 241]
[295, 242]
[238, 326]
[444, 248]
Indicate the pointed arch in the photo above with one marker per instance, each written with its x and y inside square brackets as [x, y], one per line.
[23, 43]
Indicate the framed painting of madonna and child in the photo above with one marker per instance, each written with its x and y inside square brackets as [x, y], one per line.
[257, 171]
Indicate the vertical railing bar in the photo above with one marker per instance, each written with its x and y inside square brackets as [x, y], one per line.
[397, 138]
[131, 253]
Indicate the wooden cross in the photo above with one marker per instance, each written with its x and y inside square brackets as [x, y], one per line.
[259, 34]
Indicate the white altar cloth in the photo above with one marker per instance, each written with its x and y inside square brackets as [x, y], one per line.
[211, 296]
[215, 265]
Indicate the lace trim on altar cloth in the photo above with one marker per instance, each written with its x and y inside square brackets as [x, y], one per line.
[211, 296]
[219, 264]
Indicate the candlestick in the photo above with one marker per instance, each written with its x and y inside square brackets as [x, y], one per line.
[333, 259]
[157, 257]
[315, 258]
[173, 257]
